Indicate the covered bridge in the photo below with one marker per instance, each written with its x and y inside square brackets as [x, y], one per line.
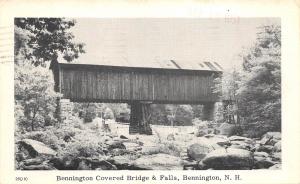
[138, 84]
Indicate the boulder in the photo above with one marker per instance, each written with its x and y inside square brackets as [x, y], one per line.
[123, 137]
[124, 162]
[117, 139]
[58, 163]
[36, 148]
[158, 162]
[171, 137]
[106, 138]
[227, 129]
[19, 156]
[270, 138]
[39, 167]
[227, 159]
[130, 146]
[209, 135]
[213, 142]
[220, 136]
[200, 133]
[241, 145]
[121, 160]
[261, 154]
[264, 148]
[274, 135]
[277, 147]
[240, 138]
[262, 162]
[70, 163]
[94, 164]
[198, 151]
[84, 165]
[150, 149]
[33, 161]
[115, 144]
[65, 163]
[201, 124]
[221, 141]
[118, 151]
[103, 165]
[275, 167]
[190, 165]
[276, 156]
[201, 128]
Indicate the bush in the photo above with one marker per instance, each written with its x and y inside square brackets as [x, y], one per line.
[165, 147]
[184, 115]
[164, 114]
[82, 149]
[108, 114]
[54, 137]
[64, 131]
[84, 144]
[169, 148]
[77, 123]
[255, 130]
[158, 114]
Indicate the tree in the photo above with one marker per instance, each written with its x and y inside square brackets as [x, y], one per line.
[179, 114]
[35, 98]
[40, 40]
[88, 111]
[260, 88]
[198, 110]
[108, 113]
[227, 85]
[158, 114]
[119, 108]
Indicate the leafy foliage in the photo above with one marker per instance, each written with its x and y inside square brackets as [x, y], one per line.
[35, 98]
[173, 115]
[119, 109]
[158, 114]
[89, 111]
[40, 40]
[182, 114]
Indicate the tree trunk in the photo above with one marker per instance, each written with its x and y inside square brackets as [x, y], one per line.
[32, 120]
[32, 125]
[58, 113]
[139, 118]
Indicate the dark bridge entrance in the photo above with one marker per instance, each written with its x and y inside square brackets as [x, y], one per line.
[169, 82]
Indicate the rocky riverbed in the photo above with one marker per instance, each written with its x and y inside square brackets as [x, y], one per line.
[173, 151]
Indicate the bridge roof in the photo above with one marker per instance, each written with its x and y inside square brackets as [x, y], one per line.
[153, 63]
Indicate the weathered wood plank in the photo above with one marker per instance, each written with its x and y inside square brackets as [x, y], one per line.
[109, 85]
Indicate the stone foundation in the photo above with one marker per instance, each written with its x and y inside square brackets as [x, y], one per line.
[139, 118]
[209, 111]
[66, 108]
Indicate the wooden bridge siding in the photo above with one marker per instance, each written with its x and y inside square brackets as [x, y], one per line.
[127, 85]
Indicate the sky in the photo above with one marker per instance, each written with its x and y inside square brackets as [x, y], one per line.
[141, 40]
